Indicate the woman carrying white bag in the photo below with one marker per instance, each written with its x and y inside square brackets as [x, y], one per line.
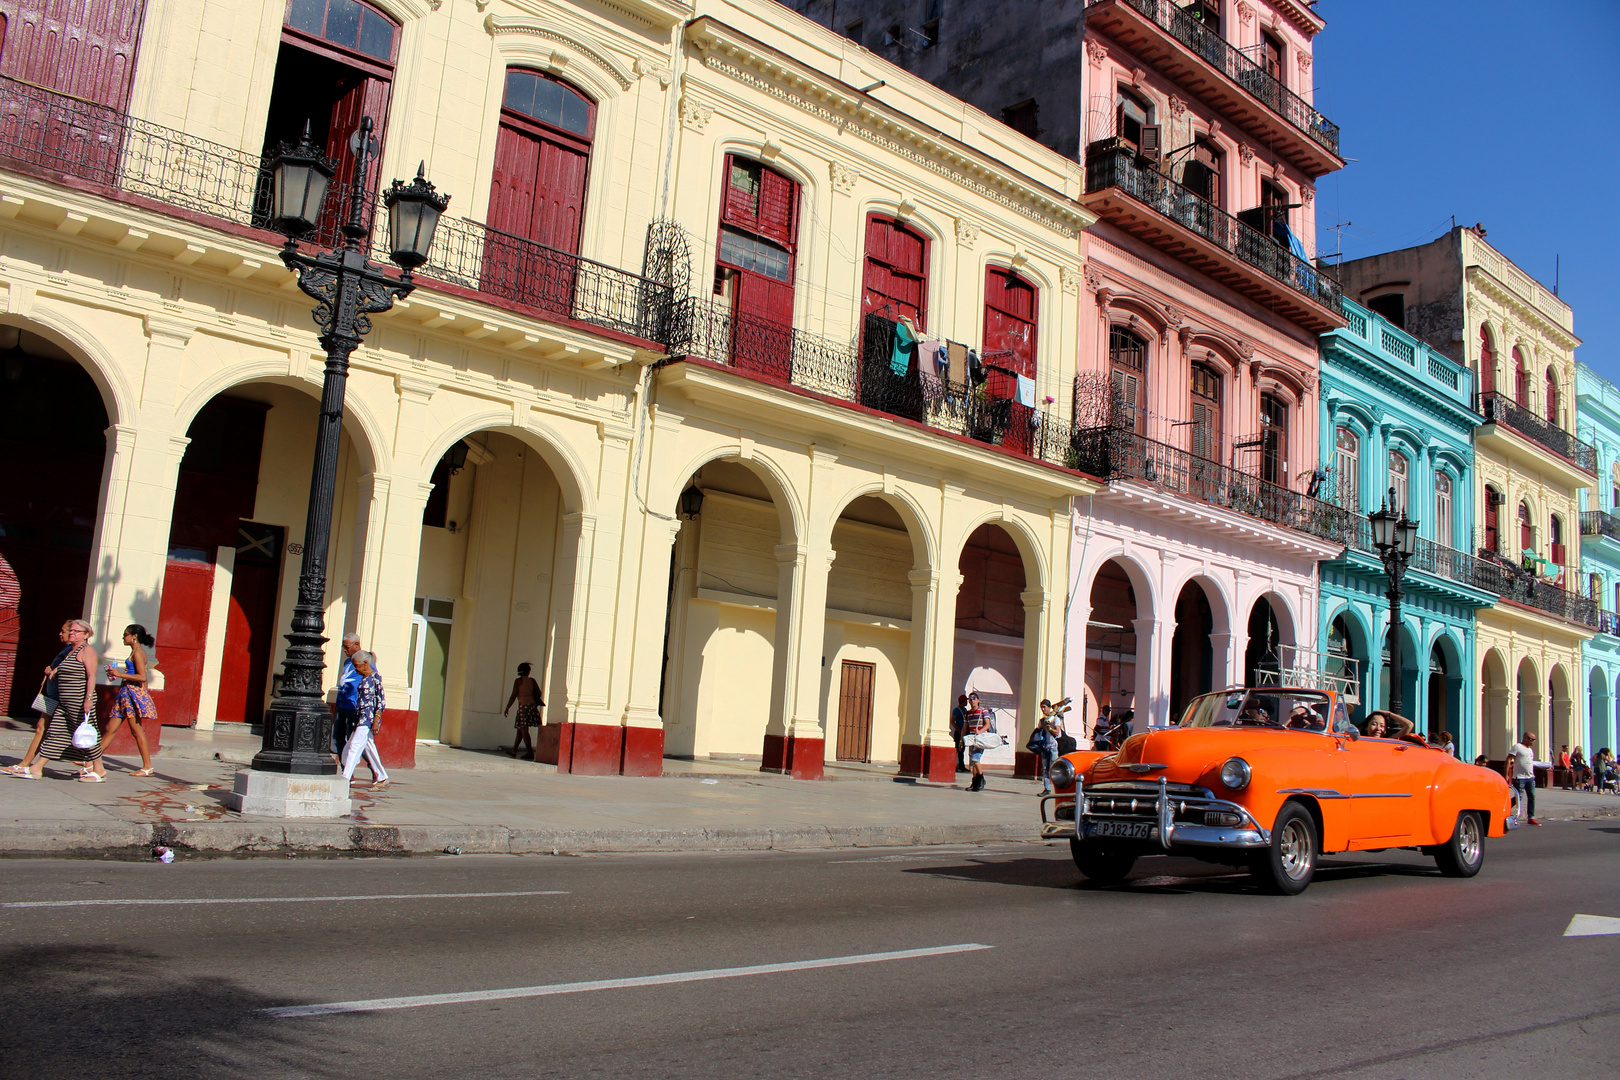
[71, 733]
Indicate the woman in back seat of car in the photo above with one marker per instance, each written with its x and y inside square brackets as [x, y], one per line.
[1386, 725]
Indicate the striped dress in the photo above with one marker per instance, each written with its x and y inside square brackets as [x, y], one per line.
[73, 683]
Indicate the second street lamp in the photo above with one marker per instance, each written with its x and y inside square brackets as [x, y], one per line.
[293, 774]
[1395, 537]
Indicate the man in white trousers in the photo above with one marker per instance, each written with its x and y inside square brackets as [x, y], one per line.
[369, 705]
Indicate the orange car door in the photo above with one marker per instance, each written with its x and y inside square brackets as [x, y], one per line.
[1386, 796]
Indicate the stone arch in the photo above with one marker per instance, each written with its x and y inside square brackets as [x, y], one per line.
[359, 423]
[1529, 697]
[1143, 583]
[1563, 725]
[665, 500]
[1036, 563]
[924, 542]
[573, 476]
[117, 395]
[1600, 708]
[1118, 662]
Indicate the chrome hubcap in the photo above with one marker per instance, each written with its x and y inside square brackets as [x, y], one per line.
[1294, 847]
[1468, 843]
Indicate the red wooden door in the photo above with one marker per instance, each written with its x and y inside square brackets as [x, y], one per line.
[855, 711]
[182, 636]
[1009, 350]
[85, 48]
[896, 278]
[1487, 363]
[362, 95]
[757, 249]
[250, 628]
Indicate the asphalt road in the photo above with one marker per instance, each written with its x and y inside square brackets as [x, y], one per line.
[1381, 969]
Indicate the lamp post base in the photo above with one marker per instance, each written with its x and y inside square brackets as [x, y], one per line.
[289, 795]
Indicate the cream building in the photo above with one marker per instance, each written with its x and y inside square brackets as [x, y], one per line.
[1465, 297]
[648, 422]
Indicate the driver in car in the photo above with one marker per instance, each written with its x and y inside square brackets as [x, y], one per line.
[1255, 713]
[1303, 719]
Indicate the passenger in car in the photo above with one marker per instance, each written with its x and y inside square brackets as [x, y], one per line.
[1387, 725]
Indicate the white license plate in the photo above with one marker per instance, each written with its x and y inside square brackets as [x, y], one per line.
[1130, 830]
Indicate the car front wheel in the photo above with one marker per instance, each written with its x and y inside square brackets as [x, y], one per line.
[1287, 866]
[1099, 864]
[1464, 853]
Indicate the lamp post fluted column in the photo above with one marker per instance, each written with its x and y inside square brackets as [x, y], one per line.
[348, 289]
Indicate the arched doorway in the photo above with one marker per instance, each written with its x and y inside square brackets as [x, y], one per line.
[1443, 699]
[52, 440]
[1496, 709]
[717, 697]
[1412, 665]
[1597, 731]
[1563, 727]
[1263, 655]
[989, 650]
[1527, 716]
[1347, 661]
[1112, 669]
[1192, 652]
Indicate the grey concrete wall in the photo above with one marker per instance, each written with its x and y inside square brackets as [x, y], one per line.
[1434, 293]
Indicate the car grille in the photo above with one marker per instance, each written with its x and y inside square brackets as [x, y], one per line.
[1137, 801]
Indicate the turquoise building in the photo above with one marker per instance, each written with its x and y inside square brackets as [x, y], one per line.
[1597, 415]
[1397, 413]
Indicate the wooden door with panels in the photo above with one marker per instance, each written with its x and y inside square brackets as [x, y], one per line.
[856, 682]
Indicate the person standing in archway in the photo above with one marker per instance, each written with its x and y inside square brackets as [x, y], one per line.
[526, 692]
[134, 701]
[958, 730]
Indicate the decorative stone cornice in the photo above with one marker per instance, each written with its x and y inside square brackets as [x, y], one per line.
[967, 231]
[495, 25]
[1069, 279]
[1096, 52]
[727, 51]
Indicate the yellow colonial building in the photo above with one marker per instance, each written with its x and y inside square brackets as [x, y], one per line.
[735, 398]
[1517, 336]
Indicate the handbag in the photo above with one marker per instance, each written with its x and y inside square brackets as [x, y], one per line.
[986, 740]
[43, 704]
[86, 735]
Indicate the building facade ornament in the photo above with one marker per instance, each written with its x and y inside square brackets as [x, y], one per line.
[967, 231]
[1304, 60]
[1069, 278]
[1246, 152]
[1178, 108]
[843, 178]
[1093, 278]
[1245, 12]
[695, 115]
[1309, 195]
[1096, 52]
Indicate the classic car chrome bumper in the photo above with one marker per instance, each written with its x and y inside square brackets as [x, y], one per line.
[1164, 813]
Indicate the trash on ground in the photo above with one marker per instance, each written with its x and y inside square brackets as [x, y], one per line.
[163, 854]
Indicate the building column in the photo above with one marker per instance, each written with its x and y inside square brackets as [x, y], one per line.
[926, 748]
[643, 753]
[1033, 670]
[589, 741]
[1221, 662]
[1498, 722]
[1152, 670]
[795, 740]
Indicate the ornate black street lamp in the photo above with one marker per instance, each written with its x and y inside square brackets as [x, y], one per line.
[298, 727]
[1395, 537]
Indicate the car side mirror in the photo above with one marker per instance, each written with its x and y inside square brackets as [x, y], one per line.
[1346, 729]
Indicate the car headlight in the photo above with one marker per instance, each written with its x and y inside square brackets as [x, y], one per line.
[1235, 773]
[1062, 773]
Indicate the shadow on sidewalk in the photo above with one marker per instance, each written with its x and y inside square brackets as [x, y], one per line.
[71, 1012]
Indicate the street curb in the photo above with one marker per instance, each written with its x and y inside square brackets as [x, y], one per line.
[247, 838]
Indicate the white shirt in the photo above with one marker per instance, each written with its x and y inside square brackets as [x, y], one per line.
[1523, 759]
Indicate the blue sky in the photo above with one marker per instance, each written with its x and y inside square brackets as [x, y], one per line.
[1501, 113]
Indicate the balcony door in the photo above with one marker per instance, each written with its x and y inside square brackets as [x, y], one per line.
[1493, 528]
[537, 191]
[1487, 363]
[755, 264]
[1274, 440]
[1206, 412]
[84, 49]
[1009, 353]
[336, 66]
[1521, 380]
[896, 276]
[1127, 365]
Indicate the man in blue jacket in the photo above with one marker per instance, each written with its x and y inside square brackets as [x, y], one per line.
[348, 697]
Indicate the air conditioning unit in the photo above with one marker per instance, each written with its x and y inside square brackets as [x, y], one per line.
[1150, 142]
[1497, 498]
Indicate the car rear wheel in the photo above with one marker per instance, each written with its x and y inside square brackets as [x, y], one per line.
[1287, 866]
[1099, 864]
[1464, 853]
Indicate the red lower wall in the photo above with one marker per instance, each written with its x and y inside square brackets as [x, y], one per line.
[802, 759]
[396, 738]
[590, 749]
[643, 751]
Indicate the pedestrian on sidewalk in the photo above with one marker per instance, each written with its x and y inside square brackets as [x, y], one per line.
[49, 690]
[134, 702]
[348, 689]
[73, 686]
[1447, 744]
[959, 730]
[526, 692]
[1043, 744]
[369, 706]
[975, 724]
[1522, 772]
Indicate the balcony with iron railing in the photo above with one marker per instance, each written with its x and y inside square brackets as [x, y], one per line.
[1600, 523]
[1436, 560]
[1160, 33]
[1498, 408]
[1139, 199]
[859, 374]
[82, 145]
[1119, 453]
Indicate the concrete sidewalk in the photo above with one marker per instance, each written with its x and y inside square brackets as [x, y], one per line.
[485, 801]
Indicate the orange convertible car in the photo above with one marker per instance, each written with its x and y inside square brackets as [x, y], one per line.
[1270, 778]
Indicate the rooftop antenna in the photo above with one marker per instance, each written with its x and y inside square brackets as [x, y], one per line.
[1558, 266]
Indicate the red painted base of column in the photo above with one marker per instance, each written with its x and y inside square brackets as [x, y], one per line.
[123, 744]
[802, 759]
[546, 743]
[939, 764]
[643, 751]
[396, 739]
[911, 759]
[1024, 766]
[590, 749]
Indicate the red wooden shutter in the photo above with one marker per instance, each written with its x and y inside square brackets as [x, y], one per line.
[1492, 529]
[560, 205]
[1009, 320]
[364, 96]
[895, 274]
[86, 49]
[1487, 363]
[756, 251]
[778, 199]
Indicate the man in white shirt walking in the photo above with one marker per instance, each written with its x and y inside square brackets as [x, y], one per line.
[1522, 772]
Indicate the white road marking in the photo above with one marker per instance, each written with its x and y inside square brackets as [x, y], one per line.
[419, 1000]
[280, 899]
[1591, 926]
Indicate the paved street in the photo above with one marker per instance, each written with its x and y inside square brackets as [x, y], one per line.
[1170, 976]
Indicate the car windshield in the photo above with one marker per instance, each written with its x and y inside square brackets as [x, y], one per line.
[1298, 710]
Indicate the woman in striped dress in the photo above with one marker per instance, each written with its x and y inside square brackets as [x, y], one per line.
[73, 684]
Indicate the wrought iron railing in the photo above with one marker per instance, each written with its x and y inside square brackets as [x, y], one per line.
[57, 136]
[1511, 581]
[1118, 168]
[1600, 523]
[1232, 63]
[1499, 408]
[1608, 622]
[1120, 454]
[1432, 558]
[861, 372]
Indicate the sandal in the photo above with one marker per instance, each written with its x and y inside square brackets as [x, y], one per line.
[91, 778]
[379, 785]
[142, 772]
[19, 771]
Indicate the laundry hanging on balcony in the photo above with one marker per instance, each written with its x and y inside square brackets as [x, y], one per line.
[905, 347]
[1026, 391]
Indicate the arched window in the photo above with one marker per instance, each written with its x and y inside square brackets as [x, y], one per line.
[1009, 351]
[1127, 366]
[1347, 467]
[1206, 412]
[335, 67]
[1486, 371]
[1521, 380]
[1274, 439]
[1527, 530]
[541, 157]
[1442, 510]
[896, 272]
[1399, 477]
[1555, 539]
[1493, 531]
[1553, 402]
[755, 264]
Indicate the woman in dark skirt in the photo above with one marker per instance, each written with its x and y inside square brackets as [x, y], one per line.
[73, 684]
